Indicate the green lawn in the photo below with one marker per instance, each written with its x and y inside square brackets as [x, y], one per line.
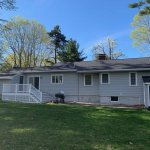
[72, 127]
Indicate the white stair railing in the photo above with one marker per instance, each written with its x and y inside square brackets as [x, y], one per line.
[21, 92]
[16, 88]
[36, 93]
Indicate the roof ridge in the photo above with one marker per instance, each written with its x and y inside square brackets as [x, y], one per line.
[114, 59]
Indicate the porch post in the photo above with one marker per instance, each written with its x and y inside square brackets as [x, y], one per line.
[29, 92]
[41, 96]
[148, 102]
[147, 94]
[16, 92]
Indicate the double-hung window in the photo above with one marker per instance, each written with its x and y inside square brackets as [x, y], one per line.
[56, 79]
[132, 78]
[105, 78]
[88, 80]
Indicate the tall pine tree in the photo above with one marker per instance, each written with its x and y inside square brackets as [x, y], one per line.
[58, 41]
[71, 52]
[143, 5]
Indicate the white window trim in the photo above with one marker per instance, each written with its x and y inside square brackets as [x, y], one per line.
[57, 75]
[130, 79]
[114, 101]
[108, 78]
[33, 76]
[91, 79]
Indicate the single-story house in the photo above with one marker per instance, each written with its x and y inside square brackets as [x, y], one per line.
[105, 82]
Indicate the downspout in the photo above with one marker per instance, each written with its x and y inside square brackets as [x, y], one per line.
[99, 77]
[144, 93]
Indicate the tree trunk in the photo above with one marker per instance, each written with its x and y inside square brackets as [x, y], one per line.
[55, 55]
[15, 62]
[20, 61]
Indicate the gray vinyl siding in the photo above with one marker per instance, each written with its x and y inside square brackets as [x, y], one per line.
[4, 81]
[15, 79]
[69, 85]
[89, 94]
[75, 90]
[73, 86]
[119, 86]
[89, 90]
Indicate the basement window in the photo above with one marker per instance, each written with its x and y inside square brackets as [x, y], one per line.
[114, 99]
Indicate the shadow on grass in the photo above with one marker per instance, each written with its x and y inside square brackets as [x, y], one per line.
[24, 126]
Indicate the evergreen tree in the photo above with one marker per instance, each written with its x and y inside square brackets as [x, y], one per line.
[71, 52]
[143, 5]
[58, 41]
[7, 4]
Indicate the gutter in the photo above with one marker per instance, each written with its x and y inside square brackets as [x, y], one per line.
[52, 71]
[6, 78]
[117, 70]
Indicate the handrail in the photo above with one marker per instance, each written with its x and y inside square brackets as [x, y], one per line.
[23, 88]
[37, 93]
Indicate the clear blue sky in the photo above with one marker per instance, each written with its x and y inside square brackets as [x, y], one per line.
[87, 21]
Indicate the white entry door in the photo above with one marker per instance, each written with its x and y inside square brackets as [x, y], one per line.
[35, 81]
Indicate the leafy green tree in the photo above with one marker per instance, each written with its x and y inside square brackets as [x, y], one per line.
[5, 5]
[143, 6]
[26, 41]
[71, 52]
[58, 41]
[141, 32]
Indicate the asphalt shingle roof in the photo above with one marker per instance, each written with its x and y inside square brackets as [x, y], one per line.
[95, 66]
[114, 65]
[6, 76]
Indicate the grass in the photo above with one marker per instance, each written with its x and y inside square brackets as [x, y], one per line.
[72, 127]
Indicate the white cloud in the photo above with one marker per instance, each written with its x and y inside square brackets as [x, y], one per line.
[114, 35]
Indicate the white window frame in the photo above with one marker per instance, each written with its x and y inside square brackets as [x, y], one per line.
[114, 101]
[102, 78]
[91, 79]
[130, 78]
[55, 76]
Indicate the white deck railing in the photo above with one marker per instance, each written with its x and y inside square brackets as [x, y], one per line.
[22, 93]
